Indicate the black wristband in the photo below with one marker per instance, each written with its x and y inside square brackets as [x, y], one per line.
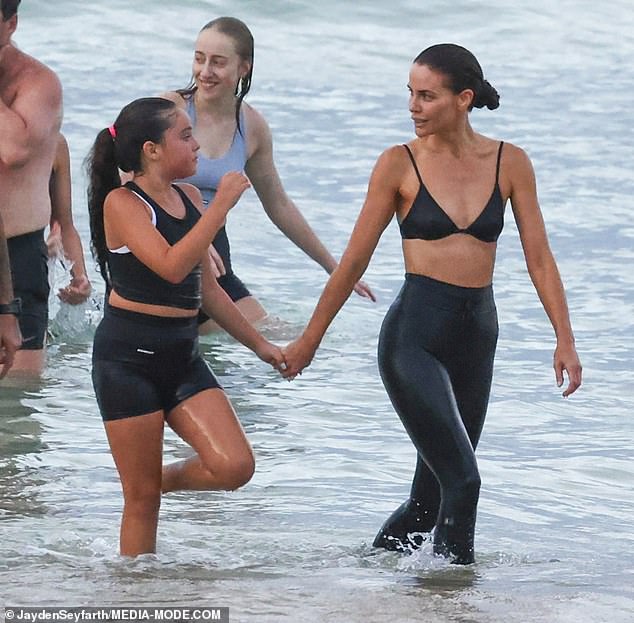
[14, 307]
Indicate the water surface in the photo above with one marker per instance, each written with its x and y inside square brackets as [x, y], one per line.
[554, 535]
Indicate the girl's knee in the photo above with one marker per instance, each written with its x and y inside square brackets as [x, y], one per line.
[140, 502]
[232, 473]
[239, 472]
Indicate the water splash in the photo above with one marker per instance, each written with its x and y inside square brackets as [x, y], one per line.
[68, 322]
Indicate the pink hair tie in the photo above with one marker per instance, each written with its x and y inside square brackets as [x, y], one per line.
[113, 131]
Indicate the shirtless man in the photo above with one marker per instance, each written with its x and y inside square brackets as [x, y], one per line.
[30, 119]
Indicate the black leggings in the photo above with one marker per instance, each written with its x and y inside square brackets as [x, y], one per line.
[436, 351]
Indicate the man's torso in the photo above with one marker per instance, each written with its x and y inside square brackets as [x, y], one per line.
[24, 196]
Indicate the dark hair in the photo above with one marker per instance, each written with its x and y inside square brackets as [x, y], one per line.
[120, 147]
[9, 8]
[243, 39]
[462, 71]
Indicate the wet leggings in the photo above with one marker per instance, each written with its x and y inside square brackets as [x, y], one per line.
[436, 351]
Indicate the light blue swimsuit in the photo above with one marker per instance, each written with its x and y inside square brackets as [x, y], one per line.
[211, 170]
[206, 179]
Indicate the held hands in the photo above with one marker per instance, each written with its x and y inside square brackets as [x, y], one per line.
[230, 189]
[566, 358]
[299, 355]
[271, 354]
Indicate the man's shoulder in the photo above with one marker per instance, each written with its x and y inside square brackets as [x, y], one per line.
[34, 74]
[44, 73]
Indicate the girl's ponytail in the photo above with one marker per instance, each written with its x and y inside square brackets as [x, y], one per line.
[120, 147]
[103, 176]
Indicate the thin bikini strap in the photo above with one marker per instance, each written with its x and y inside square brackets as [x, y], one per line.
[497, 168]
[411, 157]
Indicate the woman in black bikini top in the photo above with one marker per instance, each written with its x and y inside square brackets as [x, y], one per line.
[438, 340]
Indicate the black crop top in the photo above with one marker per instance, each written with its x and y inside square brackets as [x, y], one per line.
[426, 220]
[134, 281]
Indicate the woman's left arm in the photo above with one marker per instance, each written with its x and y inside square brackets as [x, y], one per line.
[541, 265]
[279, 207]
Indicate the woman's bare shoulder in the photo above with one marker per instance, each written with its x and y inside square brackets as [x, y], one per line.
[256, 123]
[394, 157]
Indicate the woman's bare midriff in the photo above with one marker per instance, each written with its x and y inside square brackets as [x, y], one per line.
[459, 259]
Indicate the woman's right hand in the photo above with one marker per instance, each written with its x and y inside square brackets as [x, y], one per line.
[566, 359]
[230, 189]
[298, 355]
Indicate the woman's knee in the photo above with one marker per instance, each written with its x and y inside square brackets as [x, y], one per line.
[462, 495]
[470, 486]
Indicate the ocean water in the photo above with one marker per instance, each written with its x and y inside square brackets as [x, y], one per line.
[555, 530]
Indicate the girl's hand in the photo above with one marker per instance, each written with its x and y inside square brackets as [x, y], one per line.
[230, 189]
[271, 354]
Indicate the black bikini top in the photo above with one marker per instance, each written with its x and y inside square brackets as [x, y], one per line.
[426, 220]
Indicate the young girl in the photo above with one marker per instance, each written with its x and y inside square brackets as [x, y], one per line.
[151, 242]
[447, 187]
